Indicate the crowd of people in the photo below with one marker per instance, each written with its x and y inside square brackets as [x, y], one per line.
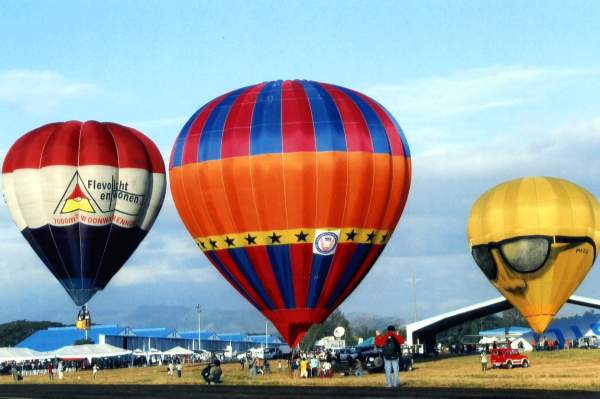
[545, 344]
[49, 367]
[311, 364]
[300, 365]
[59, 367]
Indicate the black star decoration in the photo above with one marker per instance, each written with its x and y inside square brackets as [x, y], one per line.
[275, 238]
[251, 239]
[213, 244]
[350, 236]
[229, 241]
[383, 238]
[302, 236]
[201, 244]
[371, 236]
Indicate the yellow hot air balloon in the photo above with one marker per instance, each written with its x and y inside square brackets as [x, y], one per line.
[535, 239]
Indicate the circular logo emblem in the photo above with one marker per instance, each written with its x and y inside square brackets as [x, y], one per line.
[325, 243]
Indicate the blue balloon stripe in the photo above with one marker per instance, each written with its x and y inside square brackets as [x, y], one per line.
[318, 273]
[177, 158]
[209, 147]
[376, 128]
[327, 122]
[279, 255]
[399, 129]
[265, 131]
[221, 267]
[244, 265]
[362, 250]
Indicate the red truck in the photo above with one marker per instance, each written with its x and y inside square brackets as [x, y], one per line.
[506, 357]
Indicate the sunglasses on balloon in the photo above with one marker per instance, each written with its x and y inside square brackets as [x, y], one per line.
[524, 254]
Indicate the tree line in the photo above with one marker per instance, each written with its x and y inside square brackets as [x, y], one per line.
[16, 331]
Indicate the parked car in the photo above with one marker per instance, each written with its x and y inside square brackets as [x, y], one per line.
[261, 353]
[348, 354]
[374, 361]
[506, 357]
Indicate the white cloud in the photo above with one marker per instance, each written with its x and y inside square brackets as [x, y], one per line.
[165, 271]
[584, 132]
[567, 151]
[467, 92]
[41, 91]
[444, 283]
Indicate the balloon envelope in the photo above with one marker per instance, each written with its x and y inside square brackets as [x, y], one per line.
[292, 190]
[84, 195]
[535, 238]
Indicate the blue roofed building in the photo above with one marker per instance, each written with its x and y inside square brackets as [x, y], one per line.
[156, 332]
[145, 339]
[165, 339]
[57, 337]
[235, 337]
[204, 335]
[270, 340]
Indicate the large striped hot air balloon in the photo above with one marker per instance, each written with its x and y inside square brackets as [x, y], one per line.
[292, 189]
[84, 195]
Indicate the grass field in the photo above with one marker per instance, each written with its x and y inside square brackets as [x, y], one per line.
[576, 369]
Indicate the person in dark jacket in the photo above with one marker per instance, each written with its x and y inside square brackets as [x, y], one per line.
[391, 345]
[214, 376]
[212, 372]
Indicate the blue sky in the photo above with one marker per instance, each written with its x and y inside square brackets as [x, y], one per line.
[486, 91]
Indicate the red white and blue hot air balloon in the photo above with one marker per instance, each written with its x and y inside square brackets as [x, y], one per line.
[292, 189]
[84, 195]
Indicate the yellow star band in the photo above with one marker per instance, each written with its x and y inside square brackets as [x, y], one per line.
[290, 236]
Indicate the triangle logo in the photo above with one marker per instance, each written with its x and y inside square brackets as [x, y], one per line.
[77, 201]
[75, 198]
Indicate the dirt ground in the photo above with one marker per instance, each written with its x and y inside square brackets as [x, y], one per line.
[560, 370]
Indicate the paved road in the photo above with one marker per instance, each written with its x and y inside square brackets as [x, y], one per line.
[267, 392]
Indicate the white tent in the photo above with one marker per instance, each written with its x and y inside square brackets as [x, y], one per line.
[592, 332]
[524, 343]
[22, 354]
[154, 352]
[90, 351]
[178, 351]
[139, 352]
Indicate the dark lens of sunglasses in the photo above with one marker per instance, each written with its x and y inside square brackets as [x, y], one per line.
[526, 254]
[485, 261]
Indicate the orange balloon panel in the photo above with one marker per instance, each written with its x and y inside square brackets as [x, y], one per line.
[292, 190]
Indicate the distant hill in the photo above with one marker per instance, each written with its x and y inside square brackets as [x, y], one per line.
[185, 318]
[372, 321]
[16, 331]
[227, 320]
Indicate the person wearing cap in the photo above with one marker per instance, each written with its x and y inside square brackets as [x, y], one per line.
[391, 345]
